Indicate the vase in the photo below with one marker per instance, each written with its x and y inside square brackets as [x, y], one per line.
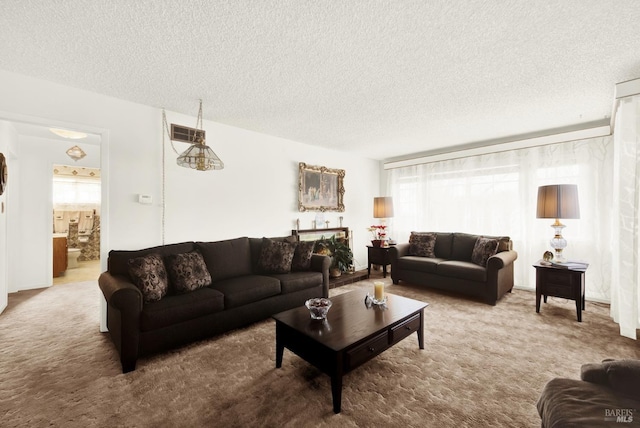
[335, 272]
[377, 242]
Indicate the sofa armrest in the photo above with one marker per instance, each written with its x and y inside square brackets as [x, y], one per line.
[399, 250]
[120, 293]
[124, 306]
[502, 259]
[395, 252]
[321, 263]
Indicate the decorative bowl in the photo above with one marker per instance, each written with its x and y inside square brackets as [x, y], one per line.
[318, 307]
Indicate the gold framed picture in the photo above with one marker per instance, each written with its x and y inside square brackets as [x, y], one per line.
[320, 188]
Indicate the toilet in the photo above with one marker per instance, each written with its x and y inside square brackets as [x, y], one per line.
[72, 257]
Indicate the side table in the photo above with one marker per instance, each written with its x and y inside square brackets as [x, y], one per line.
[378, 256]
[562, 282]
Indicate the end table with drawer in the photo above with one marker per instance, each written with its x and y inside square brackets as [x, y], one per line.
[378, 256]
[565, 282]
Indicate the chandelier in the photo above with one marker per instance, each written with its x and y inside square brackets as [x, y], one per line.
[198, 156]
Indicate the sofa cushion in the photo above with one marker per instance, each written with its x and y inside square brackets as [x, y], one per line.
[302, 256]
[484, 249]
[422, 244]
[462, 270]
[275, 256]
[118, 261]
[182, 307]
[150, 276]
[296, 281]
[419, 264]
[187, 271]
[247, 289]
[462, 246]
[444, 241]
[226, 259]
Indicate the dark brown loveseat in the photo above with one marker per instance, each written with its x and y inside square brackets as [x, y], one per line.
[607, 395]
[240, 291]
[479, 266]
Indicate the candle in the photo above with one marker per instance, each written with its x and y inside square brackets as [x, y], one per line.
[378, 291]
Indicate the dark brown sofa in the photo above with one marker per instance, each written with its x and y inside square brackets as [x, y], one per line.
[240, 293]
[450, 266]
[607, 395]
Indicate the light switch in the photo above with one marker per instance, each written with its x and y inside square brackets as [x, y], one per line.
[145, 199]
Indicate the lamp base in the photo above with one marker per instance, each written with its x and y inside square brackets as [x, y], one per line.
[558, 243]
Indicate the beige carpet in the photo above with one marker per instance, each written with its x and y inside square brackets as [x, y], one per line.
[482, 366]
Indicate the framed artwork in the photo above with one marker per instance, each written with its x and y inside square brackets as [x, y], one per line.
[320, 188]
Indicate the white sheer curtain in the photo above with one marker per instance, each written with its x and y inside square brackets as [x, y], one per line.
[495, 194]
[625, 293]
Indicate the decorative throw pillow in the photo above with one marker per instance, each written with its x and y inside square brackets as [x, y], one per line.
[275, 256]
[150, 276]
[187, 271]
[484, 249]
[302, 256]
[422, 244]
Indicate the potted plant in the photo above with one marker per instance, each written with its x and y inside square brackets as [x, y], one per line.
[379, 234]
[340, 253]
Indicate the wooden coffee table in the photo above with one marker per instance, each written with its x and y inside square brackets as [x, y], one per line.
[351, 335]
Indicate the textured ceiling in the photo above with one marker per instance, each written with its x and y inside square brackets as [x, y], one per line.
[376, 78]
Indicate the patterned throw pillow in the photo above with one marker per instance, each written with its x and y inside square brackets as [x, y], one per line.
[275, 256]
[484, 249]
[187, 271]
[150, 276]
[422, 244]
[302, 256]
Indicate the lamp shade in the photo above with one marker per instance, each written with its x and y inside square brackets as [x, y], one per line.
[383, 207]
[558, 201]
[200, 157]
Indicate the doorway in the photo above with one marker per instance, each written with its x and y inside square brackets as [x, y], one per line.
[76, 196]
[31, 220]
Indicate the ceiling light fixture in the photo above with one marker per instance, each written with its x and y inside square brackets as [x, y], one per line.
[198, 156]
[76, 153]
[65, 133]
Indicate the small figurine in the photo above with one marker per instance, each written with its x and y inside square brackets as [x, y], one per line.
[547, 256]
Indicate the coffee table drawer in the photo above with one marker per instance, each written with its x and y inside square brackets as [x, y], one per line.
[405, 328]
[367, 350]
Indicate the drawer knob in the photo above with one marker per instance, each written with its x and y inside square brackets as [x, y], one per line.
[407, 327]
[371, 349]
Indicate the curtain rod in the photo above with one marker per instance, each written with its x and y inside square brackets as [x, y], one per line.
[563, 137]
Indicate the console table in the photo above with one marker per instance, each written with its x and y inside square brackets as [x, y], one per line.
[562, 282]
[378, 256]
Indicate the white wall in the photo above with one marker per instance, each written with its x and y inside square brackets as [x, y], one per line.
[33, 265]
[8, 141]
[255, 195]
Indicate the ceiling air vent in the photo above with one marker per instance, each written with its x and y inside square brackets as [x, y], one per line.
[185, 134]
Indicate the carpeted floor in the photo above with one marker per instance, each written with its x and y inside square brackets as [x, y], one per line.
[482, 366]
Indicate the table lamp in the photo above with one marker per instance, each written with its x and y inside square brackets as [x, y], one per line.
[383, 209]
[558, 201]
